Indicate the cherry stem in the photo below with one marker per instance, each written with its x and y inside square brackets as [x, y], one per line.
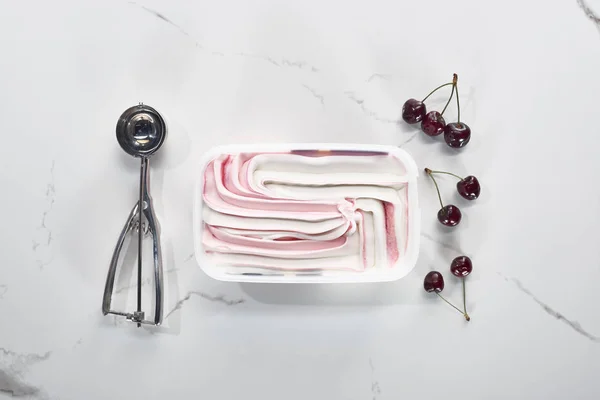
[464, 296]
[453, 306]
[449, 98]
[447, 173]
[436, 89]
[455, 81]
[429, 172]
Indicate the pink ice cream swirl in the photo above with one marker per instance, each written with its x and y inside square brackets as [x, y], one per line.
[305, 212]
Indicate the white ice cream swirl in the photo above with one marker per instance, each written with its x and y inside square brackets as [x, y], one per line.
[305, 211]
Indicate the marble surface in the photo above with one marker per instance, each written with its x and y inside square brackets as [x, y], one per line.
[270, 71]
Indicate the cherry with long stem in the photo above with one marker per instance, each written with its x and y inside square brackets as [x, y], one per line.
[448, 102]
[461, 267]
[433, 122]
[434, 282]
[437, 189]
[464, 313]
[450, 214]
[457, 104]
[457, 134]
[436, 89]
[454, 81]
[468, 187]
[465, 298]
[444, 172]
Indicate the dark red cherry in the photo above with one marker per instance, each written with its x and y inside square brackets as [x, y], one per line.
[413, 111]
[457, 134]
[433, 282]
[461, 266]
[469, 188]
[433, 124]
[449, 215]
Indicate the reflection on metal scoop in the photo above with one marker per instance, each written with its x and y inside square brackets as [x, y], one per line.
[141, 131]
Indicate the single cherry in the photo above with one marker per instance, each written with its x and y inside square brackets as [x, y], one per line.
[413, 111]
[469, 187]
[457, 134]
[449, 215]
[433, 124]
[461, 266]
[434, 282]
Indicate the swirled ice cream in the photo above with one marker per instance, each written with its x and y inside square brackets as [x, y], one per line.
[305, 211]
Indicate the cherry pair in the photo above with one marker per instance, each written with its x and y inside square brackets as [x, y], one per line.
[434, 281]
[468, 187]
[456, 134]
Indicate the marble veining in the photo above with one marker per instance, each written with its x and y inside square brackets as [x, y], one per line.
[79, 342]
[145, 281]
[148, 280]
[297, 64]
[443, 244]
[576, 326]
[315, 94]
[281, 62]
[375, 388]
[219, 73]
[589, 12]
[13, 367]
[410, 139]
[217, 299]
[384, 77]
[367, 111]
[44, 257]
[163, 18]
[15, 387]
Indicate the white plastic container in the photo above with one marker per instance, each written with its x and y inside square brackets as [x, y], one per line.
[401, 268]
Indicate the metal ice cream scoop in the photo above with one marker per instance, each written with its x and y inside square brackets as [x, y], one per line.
[141, 131]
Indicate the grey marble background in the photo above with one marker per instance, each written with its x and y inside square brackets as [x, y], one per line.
[278, 71]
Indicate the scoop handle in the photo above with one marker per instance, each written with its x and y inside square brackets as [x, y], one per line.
[112, 269]
[154, 230]
[143, 207]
